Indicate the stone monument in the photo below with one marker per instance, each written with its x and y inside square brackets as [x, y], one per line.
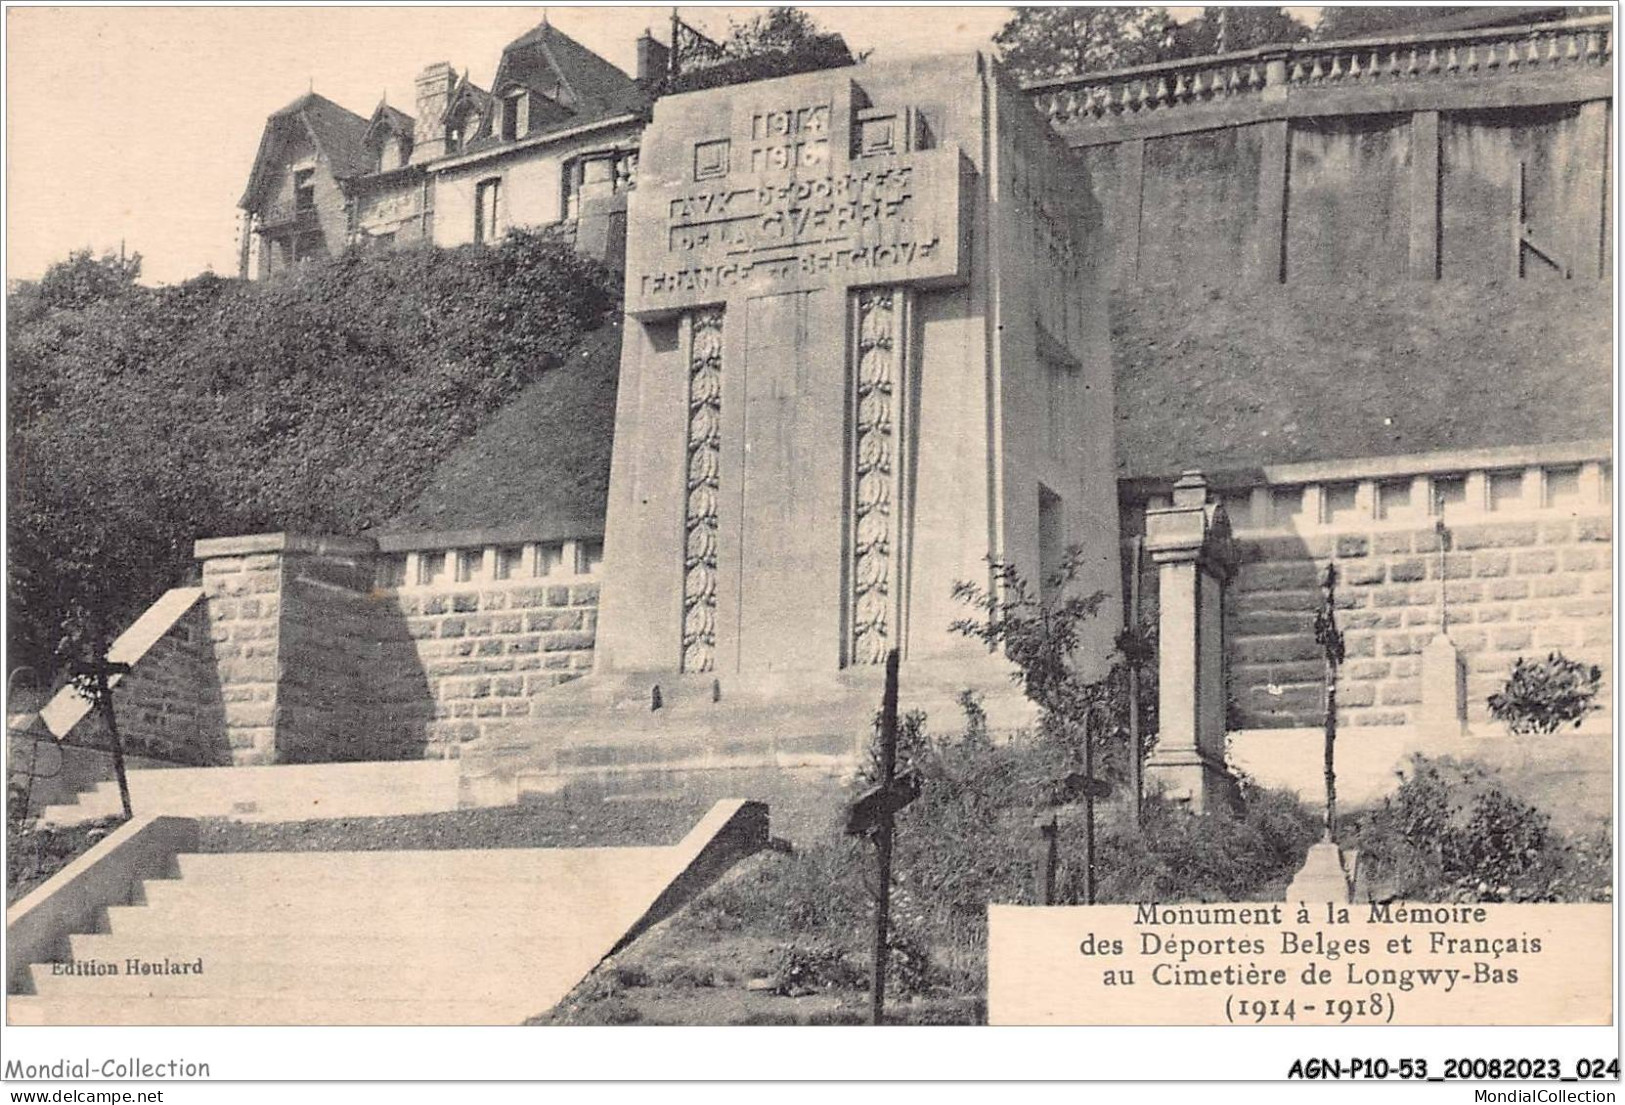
[865, 354]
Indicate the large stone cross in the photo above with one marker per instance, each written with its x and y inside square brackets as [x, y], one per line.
[807, 451]
[788, 225]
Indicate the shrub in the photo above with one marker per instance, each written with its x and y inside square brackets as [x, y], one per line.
[34, 853]
[970, 839]
[1542, 696]
[144, 418]
[1452, 833]
[808, 966]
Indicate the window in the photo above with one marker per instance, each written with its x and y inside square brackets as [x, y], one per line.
[1238, 507]
[1340, 503]
[304, 190]
[486, 203]
[1449, 495]
[1562, 487]
[594, 175]
[308, 245]
[1051, 544]
[1506, 490]
[515, 116]
[1394, 499]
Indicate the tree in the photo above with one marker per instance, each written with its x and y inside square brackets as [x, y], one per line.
[779, 42]
[1243, 29]
[777, 29]
[83, 279]
[1359, 22]
[1040, 43]
[317, 402]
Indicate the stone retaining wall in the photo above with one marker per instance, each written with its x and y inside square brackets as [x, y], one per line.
[456, 659]
[1527, 570]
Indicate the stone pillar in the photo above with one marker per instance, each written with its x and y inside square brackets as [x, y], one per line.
[1189, 542]
[286, 618]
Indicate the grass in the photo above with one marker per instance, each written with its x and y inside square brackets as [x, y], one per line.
[773, 942]
[34, 854]
[558, 823]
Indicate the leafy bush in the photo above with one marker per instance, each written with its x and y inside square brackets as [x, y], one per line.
[1452, 833]
[808, 966]
[1542, 696]
[971, 839]
[34, 853]
[143, 418]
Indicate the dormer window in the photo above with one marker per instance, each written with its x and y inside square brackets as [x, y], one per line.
[392, 153]
[304, 189]
[515, 116]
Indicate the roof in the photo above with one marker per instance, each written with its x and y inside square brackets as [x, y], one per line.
[577, 85]
[338, 134]
[386, 117]
[1228, 379]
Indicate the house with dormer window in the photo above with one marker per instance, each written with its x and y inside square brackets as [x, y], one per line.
[296, 201]
[553, 140]
[553, 107]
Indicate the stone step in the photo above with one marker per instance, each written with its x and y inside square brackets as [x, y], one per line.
[423, 937]
[283, 792]
[356, 920]
[303, 946]
[419, 868]
[510, 970]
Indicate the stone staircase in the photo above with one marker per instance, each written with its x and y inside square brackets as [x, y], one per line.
[368, 938]
[282, 792]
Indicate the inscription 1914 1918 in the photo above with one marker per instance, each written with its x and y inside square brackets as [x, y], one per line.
[883, 220]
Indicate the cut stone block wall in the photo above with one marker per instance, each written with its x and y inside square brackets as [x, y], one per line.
[164, 706]
[243, 602]
[1509, 590]
[459, 658]
[1522, 576]
[326, 652]
[167, 705]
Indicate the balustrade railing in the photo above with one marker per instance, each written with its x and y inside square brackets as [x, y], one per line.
[1497, 52]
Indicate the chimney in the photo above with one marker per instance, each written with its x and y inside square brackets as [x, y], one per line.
[654, 59]
[434, 87]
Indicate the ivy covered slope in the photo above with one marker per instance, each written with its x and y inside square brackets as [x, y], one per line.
[144, 418]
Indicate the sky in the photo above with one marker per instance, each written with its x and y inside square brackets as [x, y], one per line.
[146, 139]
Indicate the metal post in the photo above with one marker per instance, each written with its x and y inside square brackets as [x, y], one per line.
[1048, 860]
[883, 838]
[1089, 809]
[1331, 640]
[104, 701]
[1136, 754]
